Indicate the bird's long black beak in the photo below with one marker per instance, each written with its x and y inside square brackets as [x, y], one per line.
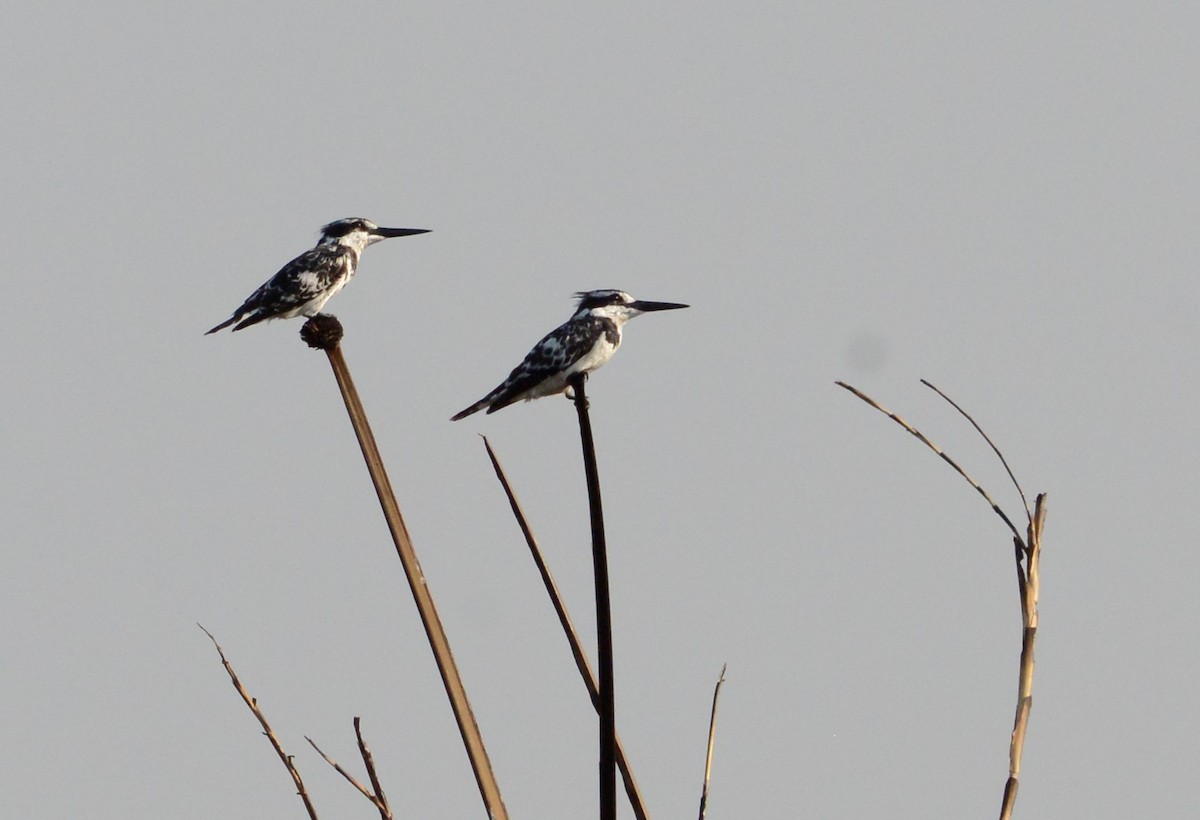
[646, 307]
[388, 233]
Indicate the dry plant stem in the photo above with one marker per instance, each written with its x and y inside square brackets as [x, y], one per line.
[369, 762]
[377, 798]
[1028, 557]
[604, 647]
[267, 730]
[1028, 552]
[712, 736]
[438, 642]
[986, 438]
[564, 618]
[936, 449]
[363, 790]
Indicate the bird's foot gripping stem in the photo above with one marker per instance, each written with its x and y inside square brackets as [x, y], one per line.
[578, 379]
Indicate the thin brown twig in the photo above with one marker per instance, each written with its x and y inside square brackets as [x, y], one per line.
[363, 790]
[712, 736]
[564, 618]
[987, 438]
[377, 798]
[288, 762]
[936, 449]
[369, 762]
[325, 333]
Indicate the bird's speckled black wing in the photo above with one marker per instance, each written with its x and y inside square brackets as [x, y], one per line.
[299, 281]
[556, 352]
[550, 357]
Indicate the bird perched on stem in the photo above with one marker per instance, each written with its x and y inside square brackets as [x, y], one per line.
[304, 285]
[582, 344]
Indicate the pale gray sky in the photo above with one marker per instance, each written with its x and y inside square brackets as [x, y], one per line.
[1002, 199]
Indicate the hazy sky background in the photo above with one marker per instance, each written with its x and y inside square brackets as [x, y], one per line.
[1002, 199]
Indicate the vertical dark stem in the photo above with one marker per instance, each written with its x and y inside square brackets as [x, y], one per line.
[604, 645]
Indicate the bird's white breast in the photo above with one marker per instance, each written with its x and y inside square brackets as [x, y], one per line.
[600, 353]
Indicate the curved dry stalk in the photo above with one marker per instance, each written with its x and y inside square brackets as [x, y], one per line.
[936, 449]
[1028, 553]
[564, 619]
[377, 798]
[987, 438]
[325, 333]
[604, 645]
[288, 762]
[712, 737]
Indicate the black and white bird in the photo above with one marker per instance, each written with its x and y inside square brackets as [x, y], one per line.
[582, 344]
[304, 285]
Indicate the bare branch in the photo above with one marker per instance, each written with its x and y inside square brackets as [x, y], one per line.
[363, 790]
[377, 798]
[368, 761]
[936, 449]
[712, 736]
[288, 762]
[986, 438]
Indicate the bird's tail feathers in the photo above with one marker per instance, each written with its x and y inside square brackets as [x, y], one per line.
[482, 403]
[222, 326]
[500, 404]
[253, 319]
[474, 408]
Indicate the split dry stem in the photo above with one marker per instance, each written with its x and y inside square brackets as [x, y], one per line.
[1027, 551]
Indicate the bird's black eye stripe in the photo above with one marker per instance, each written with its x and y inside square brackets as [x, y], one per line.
[336, 230]
[595, 299]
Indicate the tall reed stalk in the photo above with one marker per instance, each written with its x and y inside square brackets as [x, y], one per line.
[325, 333]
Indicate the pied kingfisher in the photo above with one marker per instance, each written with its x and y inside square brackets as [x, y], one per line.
[585, 342]
[304, 285]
